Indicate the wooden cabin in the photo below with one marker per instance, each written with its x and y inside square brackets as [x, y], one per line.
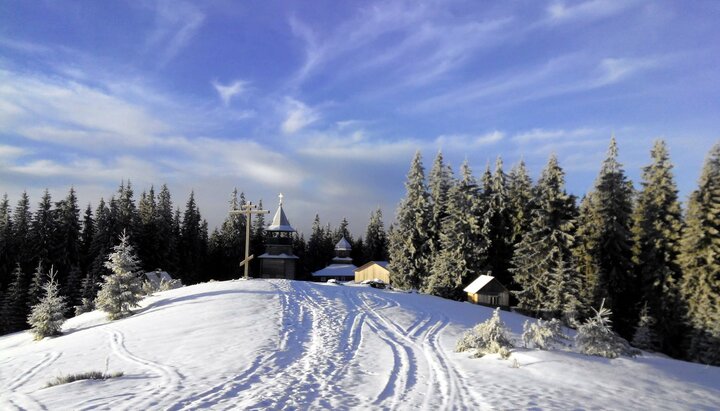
[486, 290]
[373, 270]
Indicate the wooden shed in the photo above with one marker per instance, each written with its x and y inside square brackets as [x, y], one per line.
[486, 290]
[373, 270]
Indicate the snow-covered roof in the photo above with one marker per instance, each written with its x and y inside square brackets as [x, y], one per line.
[157, 276]
[479, 284]
[336, 270]
[343, 245]
[281, 256]
[382, 264]
[280, 222]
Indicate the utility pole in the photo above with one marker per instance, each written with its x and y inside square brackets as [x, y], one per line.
[248, 210]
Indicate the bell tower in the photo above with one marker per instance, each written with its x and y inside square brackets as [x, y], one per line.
[279, 260]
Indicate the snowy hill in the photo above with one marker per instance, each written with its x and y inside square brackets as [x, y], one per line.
[275, 344]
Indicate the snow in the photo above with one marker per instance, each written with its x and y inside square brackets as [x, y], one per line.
[478, 284]
[279, 344]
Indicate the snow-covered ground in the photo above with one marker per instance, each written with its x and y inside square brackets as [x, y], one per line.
[276, 344]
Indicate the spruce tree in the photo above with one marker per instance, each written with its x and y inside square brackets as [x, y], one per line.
[656, 232]
[342, 231]
[315, 257]
[376, 242]
[148, 240]
[700, 248]
[258, 236]
[14, 307]
[520, 196]
[440, 180]
[67, 236]
[544, 266]
[645, 337]
[409, 247]
[46, 317]
[86, 238]
[37, 283]
[497, 213]
[191, 243]
[610, 205]
[122, 290]
[22, 241]
[463, 240]
[167, 236]
[231, 238]
[44, 230]
[125, 213]
[6, 241]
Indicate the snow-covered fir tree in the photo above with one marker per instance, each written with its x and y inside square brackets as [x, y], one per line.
[463, 240]
[520, 200]
[596, 336]
[700, 261]
[122, 290]
[609, 241]
[645, 337]
[46, 317]
[496, 212]
[543, 335]
[544, 265]
[440, 180]
[488, 337]
[409, 248]
[657, 228]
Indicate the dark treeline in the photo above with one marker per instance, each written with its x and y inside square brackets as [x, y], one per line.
[77, 244]
[656, 268]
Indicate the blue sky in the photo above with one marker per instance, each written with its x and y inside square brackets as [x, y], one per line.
[327, 101]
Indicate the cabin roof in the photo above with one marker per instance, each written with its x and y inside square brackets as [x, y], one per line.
[382, 264]
[336, 270]
[480, 283]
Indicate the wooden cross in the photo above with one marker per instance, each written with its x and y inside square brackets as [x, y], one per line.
[248, 210]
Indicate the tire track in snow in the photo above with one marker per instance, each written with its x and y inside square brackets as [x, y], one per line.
[170, 379]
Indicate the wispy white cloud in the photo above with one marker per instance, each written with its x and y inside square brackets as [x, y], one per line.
[561, 75]
[411, 42]
[227, 92]
[11, 152]
[467, 141]
[56, 110]
[560, 12]
[176, 23]
[540, 135]
[298, 116]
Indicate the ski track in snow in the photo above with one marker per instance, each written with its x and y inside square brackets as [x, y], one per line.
[23, 400]
[169, 379]
[307, 381]
[268, 363]
[424, 336]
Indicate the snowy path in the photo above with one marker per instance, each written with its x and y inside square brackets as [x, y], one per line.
[287, 345]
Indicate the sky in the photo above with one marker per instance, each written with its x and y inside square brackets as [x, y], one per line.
[328, 101]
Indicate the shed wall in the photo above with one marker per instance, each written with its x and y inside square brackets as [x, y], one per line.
[372, 272]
